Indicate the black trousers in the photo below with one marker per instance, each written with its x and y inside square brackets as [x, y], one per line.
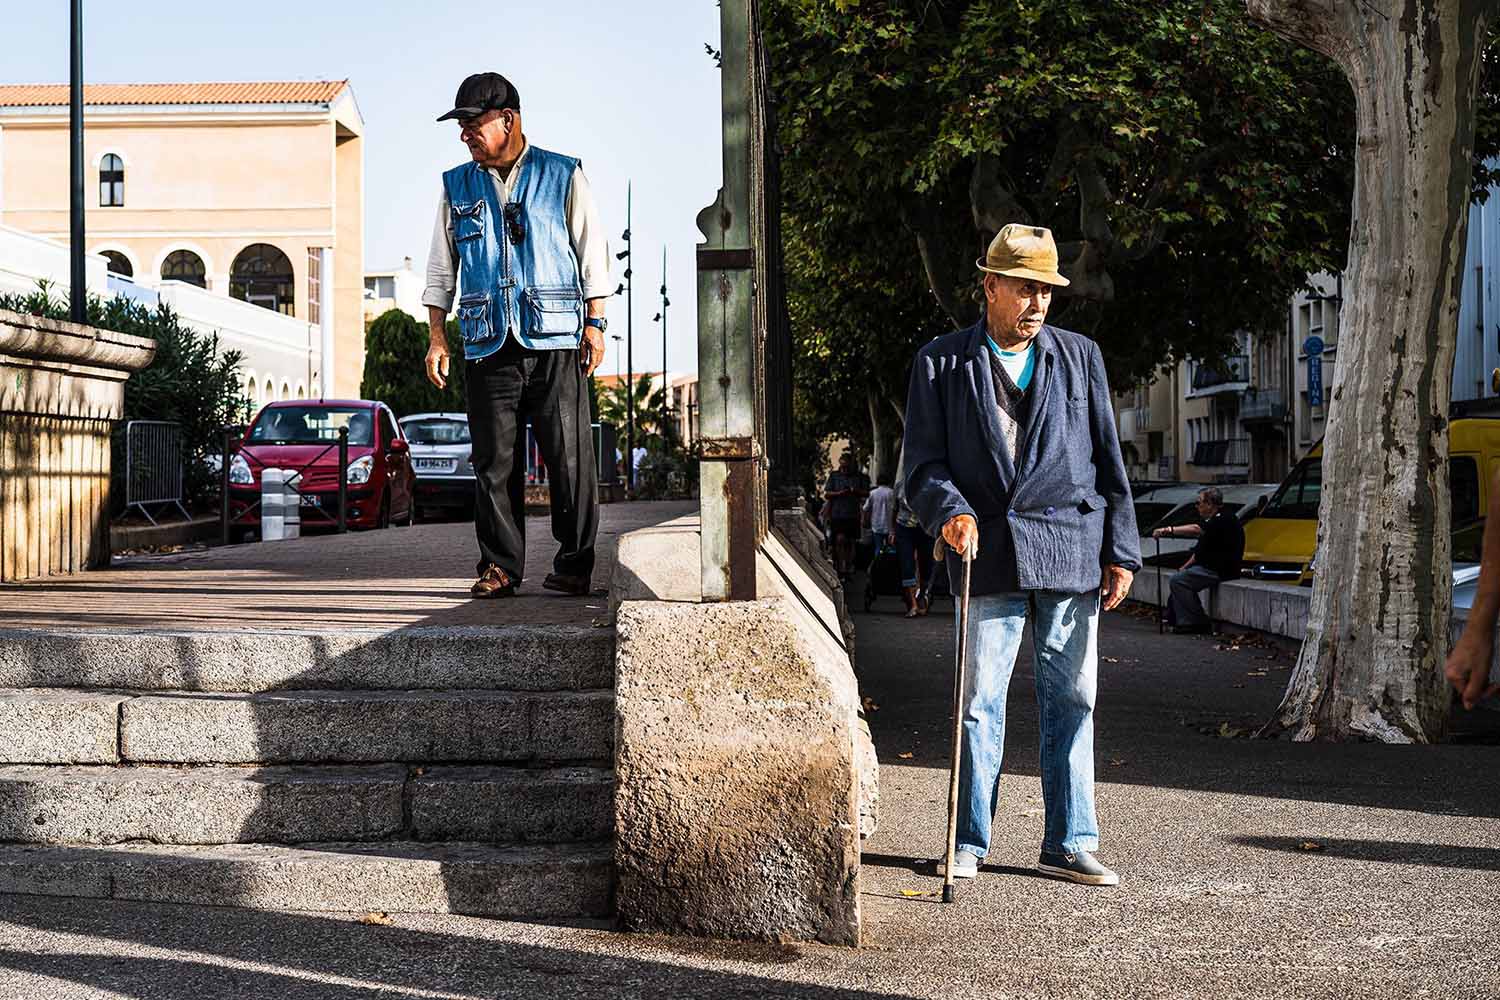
[547, 389]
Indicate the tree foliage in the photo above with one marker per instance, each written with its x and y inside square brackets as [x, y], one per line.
[396, 366]
[189, 382]
[1193, 168]
[613, 408]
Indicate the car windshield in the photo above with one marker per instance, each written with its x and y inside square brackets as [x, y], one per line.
[312, 425]
[1148, 513]
[437, 430]
[1298, 496]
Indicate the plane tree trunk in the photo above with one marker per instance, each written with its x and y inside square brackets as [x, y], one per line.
[1371, 663]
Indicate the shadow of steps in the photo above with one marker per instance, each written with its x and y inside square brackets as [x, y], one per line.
[537, 882]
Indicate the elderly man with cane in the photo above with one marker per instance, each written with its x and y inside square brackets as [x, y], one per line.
[518, 231]
[1011, 455]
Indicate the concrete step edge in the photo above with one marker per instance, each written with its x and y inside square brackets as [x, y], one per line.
[215, 804]
[473, 879]
[287, 727]
[519, 657]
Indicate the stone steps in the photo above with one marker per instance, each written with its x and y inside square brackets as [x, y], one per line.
[433, 769]
[537, 882]
[291, 805]
[501, 658]
[71, 727]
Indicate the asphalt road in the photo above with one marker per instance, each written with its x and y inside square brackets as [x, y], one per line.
[1250, 869]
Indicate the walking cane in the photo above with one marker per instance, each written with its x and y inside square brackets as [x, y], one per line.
[1161, 609]
[960, 663]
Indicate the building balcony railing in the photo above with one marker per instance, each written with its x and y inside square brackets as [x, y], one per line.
[1227, 452]
[1231, 374]
[1262, 406]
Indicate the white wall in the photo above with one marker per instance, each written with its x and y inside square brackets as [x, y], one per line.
[25, 259]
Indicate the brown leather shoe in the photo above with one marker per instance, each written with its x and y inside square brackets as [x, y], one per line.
[493, 582]
[576, 585]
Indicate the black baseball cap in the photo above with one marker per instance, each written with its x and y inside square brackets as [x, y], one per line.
[483, 92]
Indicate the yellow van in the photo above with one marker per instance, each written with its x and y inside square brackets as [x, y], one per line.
[1279, 542]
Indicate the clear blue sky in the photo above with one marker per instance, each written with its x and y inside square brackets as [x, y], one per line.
[624, 85]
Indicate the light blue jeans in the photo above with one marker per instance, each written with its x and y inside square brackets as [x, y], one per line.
[1065, 630]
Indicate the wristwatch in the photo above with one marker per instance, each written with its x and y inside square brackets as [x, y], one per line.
[598, 322]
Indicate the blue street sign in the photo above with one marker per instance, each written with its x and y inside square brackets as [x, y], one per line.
[1314, 378]
[1312, 346]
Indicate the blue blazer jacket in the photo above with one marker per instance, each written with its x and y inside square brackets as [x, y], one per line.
[1050, 517]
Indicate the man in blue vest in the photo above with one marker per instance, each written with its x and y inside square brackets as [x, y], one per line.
[518, 232]
[1010, 446]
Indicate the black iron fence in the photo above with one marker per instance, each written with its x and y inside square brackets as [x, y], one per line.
[153, 466]
[1229, 451]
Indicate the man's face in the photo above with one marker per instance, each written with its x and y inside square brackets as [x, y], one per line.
[846, 462]
[486, 135]
[1015, 308]
[1206, 507]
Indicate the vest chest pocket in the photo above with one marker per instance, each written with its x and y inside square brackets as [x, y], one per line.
[555, 311]
[468, 220]
[474, 319]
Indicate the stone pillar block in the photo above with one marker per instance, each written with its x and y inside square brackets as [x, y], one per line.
[737, 784]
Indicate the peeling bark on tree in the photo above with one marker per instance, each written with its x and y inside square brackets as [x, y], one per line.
[1377, 633]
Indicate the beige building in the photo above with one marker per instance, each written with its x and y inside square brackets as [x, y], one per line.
[394, 288]
[248, 191]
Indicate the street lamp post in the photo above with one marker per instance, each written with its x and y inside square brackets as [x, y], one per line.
[78, 287]
[665, 387]
[629, 360]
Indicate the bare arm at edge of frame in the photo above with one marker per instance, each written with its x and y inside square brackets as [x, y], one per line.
[1468, 666]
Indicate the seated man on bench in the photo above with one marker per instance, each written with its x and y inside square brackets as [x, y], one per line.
[1216, 558]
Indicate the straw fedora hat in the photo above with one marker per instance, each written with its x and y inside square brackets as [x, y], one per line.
[1019, 251]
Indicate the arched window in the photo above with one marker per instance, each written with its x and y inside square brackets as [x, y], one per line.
[262, 276]
[118, 263]
[186, 267]
[252, 391]
[270, 392]
[111, 181]
[286, 390]
[301, 391]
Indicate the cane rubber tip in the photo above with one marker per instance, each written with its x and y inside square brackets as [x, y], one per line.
[947, 893]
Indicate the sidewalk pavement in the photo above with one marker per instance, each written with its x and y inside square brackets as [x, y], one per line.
[1250, 869]
[370, 579]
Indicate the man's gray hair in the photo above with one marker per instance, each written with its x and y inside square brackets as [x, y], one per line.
[1212, 495]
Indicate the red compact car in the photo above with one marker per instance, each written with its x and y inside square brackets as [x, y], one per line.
[302, 435]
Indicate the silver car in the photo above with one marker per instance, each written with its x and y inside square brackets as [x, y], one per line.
[440, 449]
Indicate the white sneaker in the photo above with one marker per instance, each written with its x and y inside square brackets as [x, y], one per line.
[965, 865]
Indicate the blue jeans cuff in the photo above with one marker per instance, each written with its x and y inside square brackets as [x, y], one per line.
[1075, 846]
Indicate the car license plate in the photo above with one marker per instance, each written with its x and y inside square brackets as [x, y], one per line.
[434, 465]
[311, 500]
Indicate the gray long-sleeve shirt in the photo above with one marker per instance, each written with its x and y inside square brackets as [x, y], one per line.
[590, 243]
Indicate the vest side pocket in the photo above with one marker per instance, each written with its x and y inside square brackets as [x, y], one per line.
[554, 311]
[474, 318]
[468, 220]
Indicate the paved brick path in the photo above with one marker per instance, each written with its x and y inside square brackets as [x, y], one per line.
[379, 579]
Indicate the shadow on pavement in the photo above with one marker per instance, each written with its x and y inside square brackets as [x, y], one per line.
[1394, 852]
[1172, 712]
[252, 955]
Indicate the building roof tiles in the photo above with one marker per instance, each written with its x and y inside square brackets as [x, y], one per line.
[271, 92]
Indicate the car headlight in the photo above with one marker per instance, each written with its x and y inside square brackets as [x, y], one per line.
[239, 472]
[360, 469]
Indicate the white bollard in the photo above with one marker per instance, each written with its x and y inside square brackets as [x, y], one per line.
[291, 509]
[272, 505]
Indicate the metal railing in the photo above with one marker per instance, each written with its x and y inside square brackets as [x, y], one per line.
[1229, 451]
[1262, 405]
[153, 466]
[1235, 368]
[228, 520]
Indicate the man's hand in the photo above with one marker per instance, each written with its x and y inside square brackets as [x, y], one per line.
[1116, 585]
[960, 533]
[1159, 533]
[1468, 670]
[591, 351]
[437, 364]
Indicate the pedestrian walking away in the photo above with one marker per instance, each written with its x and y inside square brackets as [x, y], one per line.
[518, 233]
[1010, 447]
[846, 490]
[1217, 557]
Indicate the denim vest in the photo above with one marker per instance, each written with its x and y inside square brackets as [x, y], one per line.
[517, 269]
